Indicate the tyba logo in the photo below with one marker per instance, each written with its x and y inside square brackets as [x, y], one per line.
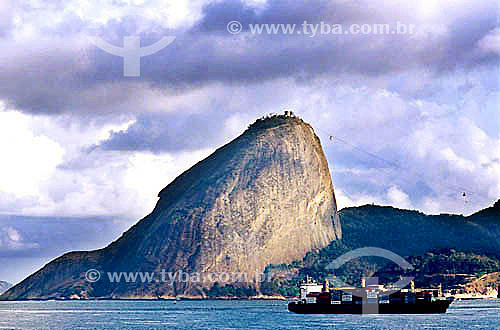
[132, 52]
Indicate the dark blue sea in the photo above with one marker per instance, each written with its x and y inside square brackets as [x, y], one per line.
[480, 314]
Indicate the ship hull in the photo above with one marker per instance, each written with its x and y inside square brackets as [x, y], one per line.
[434, 307]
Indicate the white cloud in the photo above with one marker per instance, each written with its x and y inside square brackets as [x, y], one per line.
[456, 161]
[456, 156]
[13, 234]
[55, 175]
[431, 205]
[356, 199]
[342, 199]
[27, 159]
[10, 239]
[398, 197]
[148, 174]
[491, 42]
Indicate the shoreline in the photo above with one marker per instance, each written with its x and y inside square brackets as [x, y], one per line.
[277, 298]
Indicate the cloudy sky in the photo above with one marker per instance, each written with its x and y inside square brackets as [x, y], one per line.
[85, 149]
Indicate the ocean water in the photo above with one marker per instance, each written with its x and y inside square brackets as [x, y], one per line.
[215, 314]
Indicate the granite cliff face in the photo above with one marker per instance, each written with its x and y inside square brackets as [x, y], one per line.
[264, 198]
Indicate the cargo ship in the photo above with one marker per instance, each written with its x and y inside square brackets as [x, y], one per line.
[372, 299]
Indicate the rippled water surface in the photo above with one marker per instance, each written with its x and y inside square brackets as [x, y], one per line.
[483, 314]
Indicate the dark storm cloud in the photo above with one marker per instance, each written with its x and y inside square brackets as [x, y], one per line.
[159, 132]
[257, 58]
[218, 14]
[60, 74]
[24, 236]
[28, 243]
[460, 48]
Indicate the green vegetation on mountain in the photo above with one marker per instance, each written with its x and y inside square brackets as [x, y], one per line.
[433, 244]
[413, 233]
[217, 291]
[448, 267]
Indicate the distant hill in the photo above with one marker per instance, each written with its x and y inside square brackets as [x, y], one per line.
[410, 234]
[448, 267]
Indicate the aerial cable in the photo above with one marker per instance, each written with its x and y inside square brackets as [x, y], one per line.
[451, 187]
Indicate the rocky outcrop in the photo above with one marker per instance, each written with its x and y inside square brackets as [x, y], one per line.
[264, 198]
[485, 285]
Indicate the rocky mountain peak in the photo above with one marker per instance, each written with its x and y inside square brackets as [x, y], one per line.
[264, 198]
